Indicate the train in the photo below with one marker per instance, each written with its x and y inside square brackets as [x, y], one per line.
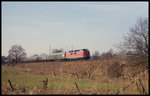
[79, 54]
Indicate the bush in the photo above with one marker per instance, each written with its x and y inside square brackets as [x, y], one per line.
[114, 70]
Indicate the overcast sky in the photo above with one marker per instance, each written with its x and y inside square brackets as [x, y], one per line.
[92, 25]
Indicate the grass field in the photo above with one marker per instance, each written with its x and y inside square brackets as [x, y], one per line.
[27, 79]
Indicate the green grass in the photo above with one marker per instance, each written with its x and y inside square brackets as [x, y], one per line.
[9, 69]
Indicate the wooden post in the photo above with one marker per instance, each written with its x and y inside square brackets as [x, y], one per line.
[11, 85]
[126, 87]
[77, 86]
[45, 84]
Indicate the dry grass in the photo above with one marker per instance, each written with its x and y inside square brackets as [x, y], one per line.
[96, 70]
[79, 69]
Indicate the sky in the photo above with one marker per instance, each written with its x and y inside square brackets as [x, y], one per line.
[97, 26]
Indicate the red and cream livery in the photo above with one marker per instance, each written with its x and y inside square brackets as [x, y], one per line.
[77, 54]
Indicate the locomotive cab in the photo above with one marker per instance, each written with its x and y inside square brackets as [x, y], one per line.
[78, 54]
[86, 54]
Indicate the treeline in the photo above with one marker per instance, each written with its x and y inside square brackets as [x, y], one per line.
[105, 55]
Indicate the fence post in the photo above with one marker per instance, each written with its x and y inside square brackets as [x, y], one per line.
[11, 85]
[77, 86]
[45, 84]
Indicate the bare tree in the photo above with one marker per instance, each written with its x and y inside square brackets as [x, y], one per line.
[137, 39]
[108, 55]
[135, 45]
[16, 53]
[96, 55]
[4, 59]
[136, 42]
[57, 50]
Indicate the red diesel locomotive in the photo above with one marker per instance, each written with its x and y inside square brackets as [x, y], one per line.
[77, 54]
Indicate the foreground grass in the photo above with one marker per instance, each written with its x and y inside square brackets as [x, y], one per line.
[56, 85]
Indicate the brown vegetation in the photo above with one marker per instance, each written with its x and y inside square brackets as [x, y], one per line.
[99, 70]
[80, 69]
[90, 69]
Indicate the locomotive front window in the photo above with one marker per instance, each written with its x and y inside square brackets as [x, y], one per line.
[85, 50]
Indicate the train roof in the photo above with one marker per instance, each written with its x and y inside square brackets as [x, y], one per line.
[78, 50]
[58, 53]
